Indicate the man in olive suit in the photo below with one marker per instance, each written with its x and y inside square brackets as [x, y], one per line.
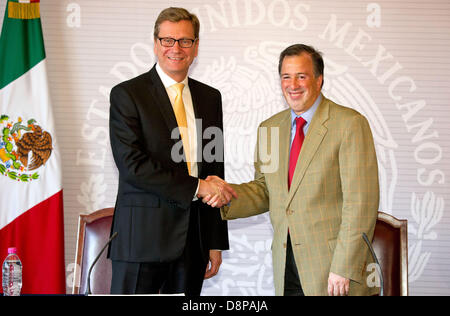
[322, 195]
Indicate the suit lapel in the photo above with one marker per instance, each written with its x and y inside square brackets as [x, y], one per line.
[313, 139]
[285, 132]
[195, 94]
[195, 98]
[162, 100]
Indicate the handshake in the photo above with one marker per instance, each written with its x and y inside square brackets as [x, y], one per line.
[215, 192]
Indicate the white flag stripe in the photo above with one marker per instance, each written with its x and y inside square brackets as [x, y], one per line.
[28, 97]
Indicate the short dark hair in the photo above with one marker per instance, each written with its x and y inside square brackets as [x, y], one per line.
[297, 50]
[176, 15]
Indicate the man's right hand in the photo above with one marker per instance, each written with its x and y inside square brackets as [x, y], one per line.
[215, 192]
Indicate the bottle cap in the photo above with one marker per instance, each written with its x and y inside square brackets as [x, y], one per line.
[12, 250]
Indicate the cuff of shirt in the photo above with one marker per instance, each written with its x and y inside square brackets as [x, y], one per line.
[196, 191]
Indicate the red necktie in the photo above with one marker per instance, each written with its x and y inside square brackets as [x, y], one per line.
[296, 147]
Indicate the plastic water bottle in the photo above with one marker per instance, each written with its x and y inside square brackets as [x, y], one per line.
[12, 274]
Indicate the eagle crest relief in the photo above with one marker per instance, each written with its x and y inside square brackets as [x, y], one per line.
[24, 147]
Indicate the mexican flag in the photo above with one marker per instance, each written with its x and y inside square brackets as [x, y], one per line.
[31, 205]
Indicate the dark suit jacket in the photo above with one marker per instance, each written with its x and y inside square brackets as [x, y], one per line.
[155, 193]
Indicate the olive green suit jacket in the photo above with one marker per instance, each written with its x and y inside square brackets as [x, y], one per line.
[333, 198]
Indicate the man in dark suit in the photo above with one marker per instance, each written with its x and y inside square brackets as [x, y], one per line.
[168, 241]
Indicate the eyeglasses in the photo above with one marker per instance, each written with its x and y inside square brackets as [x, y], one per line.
[183, 42]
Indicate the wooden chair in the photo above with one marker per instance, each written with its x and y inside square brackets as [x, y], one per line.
[93, 233]
[390, 243]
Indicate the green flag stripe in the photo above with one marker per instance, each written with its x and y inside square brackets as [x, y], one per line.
[21, 47]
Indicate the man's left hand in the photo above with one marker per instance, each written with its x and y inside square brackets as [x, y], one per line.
[215, 260]
[337, 285]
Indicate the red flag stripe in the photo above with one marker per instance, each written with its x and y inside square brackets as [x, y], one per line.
[42, 251]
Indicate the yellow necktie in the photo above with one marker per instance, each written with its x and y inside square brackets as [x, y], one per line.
[180, 114]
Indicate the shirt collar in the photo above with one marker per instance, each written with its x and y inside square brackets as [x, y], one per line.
[308, 115]
[166, 79]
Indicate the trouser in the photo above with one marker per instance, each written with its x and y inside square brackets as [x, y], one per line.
[292, 285]
[183, 275]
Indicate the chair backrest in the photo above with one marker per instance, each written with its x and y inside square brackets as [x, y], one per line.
[93, 233]
[390, 243]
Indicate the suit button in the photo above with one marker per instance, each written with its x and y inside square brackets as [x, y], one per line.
[289, 212]
[284, 245]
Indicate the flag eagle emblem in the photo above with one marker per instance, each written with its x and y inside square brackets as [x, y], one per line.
[23, 148]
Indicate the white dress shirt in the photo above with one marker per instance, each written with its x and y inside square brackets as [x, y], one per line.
[168, 82]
